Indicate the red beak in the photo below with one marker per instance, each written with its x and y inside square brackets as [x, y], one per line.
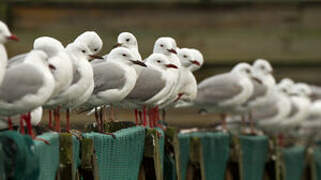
[13, 37]
[171, 66]
[172, 51]
[196, 62]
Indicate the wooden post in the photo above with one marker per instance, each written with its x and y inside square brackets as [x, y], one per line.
[66, 157]
[89, 166]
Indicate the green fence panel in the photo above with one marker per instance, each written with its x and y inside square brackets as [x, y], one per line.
[184, 144]
[20, 159]
[215, 152]
[119, 158]
[254, 153]
[170, 169]
[293, 159]
[48, 156]
[317, 161]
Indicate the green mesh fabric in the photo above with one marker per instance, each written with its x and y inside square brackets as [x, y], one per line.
[184, 144]
[254, 152]
[317, 160]
[19, 155]
[294, 162]
[215, 152]
[48, 156]
[76, 153]
[2, 156]
[119, 158]
[169, 168]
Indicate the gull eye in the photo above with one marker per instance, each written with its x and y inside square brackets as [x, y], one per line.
[127, 39]
[159, 61]
[83, 51]
[124, 55]
[161, 45]
[96, 49]
[247, 71]
[185, 56]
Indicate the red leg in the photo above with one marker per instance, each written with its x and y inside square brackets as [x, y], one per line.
[10, 125]
[22, 129]
[68, 120]
[156, 116]
[150, 117]
[140, 117]
[50, 119]
[57, 119]
[97, 119]
[136, 117]
[28, 122]
[144, 114]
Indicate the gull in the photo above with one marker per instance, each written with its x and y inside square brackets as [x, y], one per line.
[153, 85]
[26, 86]
[5, 35]
[63, 72]
[114, 79]
[300, 105]
[128, 40]
[224, 92]
[82, 84]
[166, 46]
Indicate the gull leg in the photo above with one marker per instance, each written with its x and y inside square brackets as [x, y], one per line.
[57, 119]
[140, 117]
[68, 120]
[22, 129]
[223, 118]
[136, 117]
[28, 123]
[251, 123]
[101, 119]
[97, 119]
[144, 115]
[50, 119]
[10, 125]
[150, 118]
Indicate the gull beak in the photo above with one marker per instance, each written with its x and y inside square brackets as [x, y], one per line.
[51, 67]
[257, 80]
[138, 63]
[172, 66]
[13, 37]
[95, 57]
[117, 45]
[196, 62]
[172, 51]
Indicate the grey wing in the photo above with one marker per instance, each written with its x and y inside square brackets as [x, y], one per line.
[16, 59]
[148, 84]
[108, 76]
[20, 80]
[75, 76]
[259, 90]
[218, 88]
[268, 111]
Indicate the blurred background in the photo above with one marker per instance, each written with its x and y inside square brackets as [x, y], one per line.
[285, 32]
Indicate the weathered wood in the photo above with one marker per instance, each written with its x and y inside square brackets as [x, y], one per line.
[89, 166]
[66, 156]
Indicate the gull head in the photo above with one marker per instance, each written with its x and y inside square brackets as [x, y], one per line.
[262, 66]
[187, 58]
[164, 46]
[5, 34]
[285, 86]
[245, 69]
[172, 40]
[302, 89]
[160, 61]
[199, 58]
[49, 45]
[80, 51]
[92, 40]
[126, 39]
[124, 55]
